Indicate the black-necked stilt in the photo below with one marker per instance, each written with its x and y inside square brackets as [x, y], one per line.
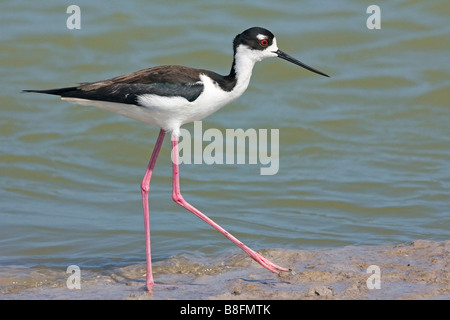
[170, 96]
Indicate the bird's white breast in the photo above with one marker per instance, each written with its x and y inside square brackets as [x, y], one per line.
[170, 113]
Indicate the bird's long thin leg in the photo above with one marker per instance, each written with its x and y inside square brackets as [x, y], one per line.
[145, 188]
[178, 198]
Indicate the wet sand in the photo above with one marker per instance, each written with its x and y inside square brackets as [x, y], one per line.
[417, 270]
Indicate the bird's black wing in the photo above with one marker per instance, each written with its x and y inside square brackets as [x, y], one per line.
[169, 81]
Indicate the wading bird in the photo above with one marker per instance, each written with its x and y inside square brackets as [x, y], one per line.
[170, 96]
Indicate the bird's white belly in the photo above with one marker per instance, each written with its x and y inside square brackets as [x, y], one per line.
[128, 110]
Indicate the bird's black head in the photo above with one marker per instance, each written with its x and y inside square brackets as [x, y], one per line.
[258, 43]
[255, 38]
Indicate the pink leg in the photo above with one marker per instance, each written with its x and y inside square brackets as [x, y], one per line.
[178, 198]
[145, 188]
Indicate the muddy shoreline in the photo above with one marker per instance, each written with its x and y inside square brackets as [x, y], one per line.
[416, 270]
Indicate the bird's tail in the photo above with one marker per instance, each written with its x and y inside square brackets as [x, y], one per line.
[59, 91]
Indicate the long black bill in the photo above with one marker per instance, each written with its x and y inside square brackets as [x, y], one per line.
[287, 57]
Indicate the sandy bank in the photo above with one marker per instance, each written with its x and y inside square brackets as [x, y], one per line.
[417, 270]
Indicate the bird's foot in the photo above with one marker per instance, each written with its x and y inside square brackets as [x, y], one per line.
[269, 265]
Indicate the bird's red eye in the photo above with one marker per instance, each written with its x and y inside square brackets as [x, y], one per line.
[264, 42]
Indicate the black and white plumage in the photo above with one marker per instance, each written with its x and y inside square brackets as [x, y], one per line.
[170, 96]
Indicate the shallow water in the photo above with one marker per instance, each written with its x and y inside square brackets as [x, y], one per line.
[363, 156]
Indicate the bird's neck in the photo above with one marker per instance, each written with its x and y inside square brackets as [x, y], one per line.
[241, 69]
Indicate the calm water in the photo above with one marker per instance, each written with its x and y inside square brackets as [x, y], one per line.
[364, 155]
